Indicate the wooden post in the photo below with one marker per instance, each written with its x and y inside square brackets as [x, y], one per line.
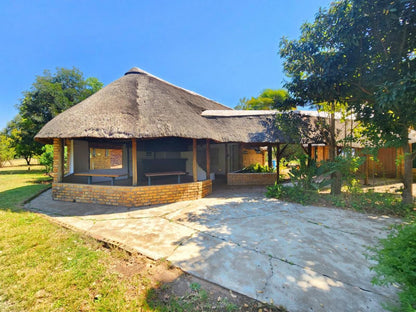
[240, 160]
[208, 161]
[277, 162]
[194, 161]
[269, 156]
[226, 159]
[134, 161]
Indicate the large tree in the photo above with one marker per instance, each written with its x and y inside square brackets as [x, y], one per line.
[366, 54]
[50, 94]
[316, 68]
[384, 76]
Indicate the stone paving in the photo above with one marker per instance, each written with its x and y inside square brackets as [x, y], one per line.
[302, 257]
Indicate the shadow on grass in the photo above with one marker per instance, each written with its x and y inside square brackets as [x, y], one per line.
[21, 171]
[14, 198]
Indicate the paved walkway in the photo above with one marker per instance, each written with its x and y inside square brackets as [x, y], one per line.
[304, 258]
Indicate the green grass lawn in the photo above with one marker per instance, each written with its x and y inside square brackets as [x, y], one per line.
[47, 268]
[44, 267]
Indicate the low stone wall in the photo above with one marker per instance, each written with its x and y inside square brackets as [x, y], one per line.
[131, 196]
[236, 178]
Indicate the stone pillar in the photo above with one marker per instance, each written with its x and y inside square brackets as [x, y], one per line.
[58, 160]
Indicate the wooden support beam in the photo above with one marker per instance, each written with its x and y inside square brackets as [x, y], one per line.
[134, 161]
[240, 156]
[226, 159]
[208, 161]
[194, 161]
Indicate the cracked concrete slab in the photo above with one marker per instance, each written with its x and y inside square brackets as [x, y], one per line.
[302, 257]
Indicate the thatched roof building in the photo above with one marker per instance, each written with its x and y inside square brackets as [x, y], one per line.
[140, 105]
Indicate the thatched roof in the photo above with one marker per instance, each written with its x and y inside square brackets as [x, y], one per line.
[269, 126]
[140, 105]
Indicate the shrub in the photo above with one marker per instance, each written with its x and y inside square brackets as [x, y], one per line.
[257, 168]
[46, 158]
[307, 175]
[292, 193]
[396, 257]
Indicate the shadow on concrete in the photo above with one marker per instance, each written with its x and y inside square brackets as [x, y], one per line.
[303, 257]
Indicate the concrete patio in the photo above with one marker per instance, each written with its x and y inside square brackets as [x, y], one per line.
[304, 258]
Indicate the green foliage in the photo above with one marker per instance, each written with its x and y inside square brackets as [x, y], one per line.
[257, 168]
[307, 175]
[360, 53]
[396, 264]
[20, 131]
[49, 95]
[347, 165]
[7, 151]
[46, 158]
[292, 193]
[268, 99]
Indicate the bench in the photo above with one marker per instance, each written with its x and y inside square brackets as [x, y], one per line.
[108, 173]
[149, 175]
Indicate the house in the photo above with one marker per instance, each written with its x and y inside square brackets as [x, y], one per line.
[141, 140]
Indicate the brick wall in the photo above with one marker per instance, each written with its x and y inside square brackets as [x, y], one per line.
[250, 156]
[130, 196]
[58, 160]
[251, 178]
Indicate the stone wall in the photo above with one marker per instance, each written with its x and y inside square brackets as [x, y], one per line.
[131, 196]
[234, 178]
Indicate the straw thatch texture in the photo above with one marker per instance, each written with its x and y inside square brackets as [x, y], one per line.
[138, 105]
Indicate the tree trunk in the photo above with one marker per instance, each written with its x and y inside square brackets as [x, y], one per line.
[28, 159]
[278, 154]
[407, 195]
[336, 176]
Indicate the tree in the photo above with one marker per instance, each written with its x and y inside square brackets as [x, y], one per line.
[20, 131]
[362, 53]
[382, 56]
[7, 152]
[268, 99]
[49, 95]
[316, 68]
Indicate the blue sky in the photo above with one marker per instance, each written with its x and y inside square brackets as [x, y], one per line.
[224, 50]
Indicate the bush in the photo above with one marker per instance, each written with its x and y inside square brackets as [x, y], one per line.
[396, 257]
[257, 168]
[307, 175]
[292, 193]
[46, 158]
